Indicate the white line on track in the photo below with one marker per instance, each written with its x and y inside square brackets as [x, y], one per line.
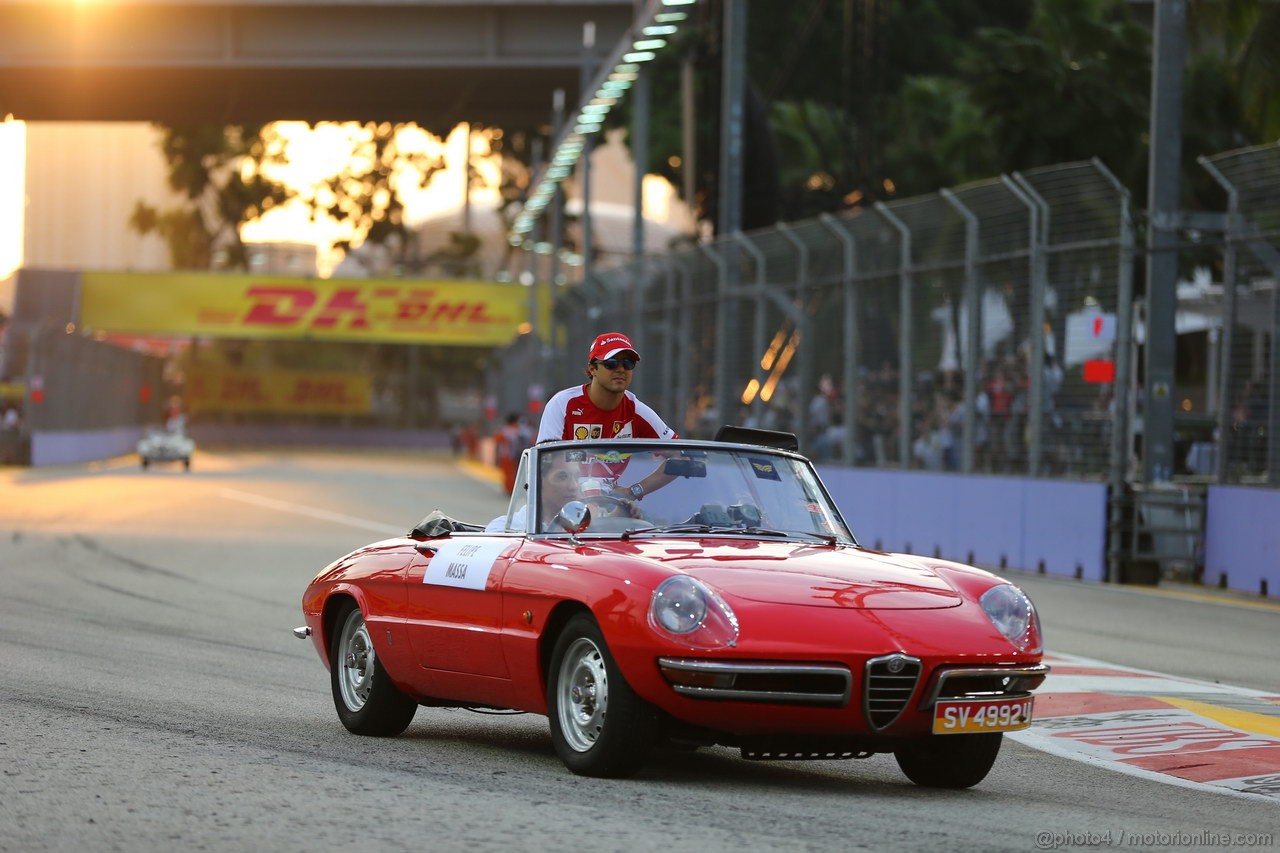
[301, 509]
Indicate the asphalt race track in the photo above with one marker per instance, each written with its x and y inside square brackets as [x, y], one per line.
[155, 698]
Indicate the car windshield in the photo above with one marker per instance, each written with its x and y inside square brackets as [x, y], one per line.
[687, 489]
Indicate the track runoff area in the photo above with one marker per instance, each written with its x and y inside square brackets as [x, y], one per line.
[1179, 731]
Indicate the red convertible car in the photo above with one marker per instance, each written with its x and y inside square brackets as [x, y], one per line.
[644, 594]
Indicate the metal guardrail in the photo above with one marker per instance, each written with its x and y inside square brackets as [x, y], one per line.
[987, 328]
[953, 332]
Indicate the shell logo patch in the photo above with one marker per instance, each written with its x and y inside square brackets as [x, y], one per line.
[580, 432]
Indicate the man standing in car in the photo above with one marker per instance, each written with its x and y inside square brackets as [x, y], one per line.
[603, 407]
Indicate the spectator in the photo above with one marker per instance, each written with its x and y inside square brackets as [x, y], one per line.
[174, 419]
[508, 445]
[820, 411]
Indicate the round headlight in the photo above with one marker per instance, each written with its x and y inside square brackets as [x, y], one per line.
[1012, 613]
[680, 605]
[688, 611]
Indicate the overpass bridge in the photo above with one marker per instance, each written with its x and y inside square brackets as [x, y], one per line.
[434, 62]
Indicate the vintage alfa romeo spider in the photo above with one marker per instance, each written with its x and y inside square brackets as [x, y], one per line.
[644, 594]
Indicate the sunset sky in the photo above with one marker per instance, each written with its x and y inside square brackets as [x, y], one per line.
[315, 153]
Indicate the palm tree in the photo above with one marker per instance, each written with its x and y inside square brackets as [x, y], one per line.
[1246, 32]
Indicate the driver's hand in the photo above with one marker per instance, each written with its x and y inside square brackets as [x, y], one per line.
[619, 493]
[626, 503]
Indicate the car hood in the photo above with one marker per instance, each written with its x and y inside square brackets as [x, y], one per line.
[803, 574]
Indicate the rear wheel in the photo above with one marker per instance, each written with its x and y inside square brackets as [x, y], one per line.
[599, 726]
[366, 700]
[949, 761]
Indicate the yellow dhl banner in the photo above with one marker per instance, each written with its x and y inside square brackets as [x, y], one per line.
[288, 391]
[464, 313]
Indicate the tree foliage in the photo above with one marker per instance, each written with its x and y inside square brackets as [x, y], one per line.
[366, 195]
[1074, 85]
[1244, 35]
[225, 174]
[869, 99]
[221, 174]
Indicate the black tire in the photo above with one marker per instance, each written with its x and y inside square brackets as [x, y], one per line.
[599, 726]
[949, 761]
[145, 462]
[186, 463]
[366, 700]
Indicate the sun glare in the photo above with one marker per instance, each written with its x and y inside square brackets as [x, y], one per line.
[13, 193]
[316, 153]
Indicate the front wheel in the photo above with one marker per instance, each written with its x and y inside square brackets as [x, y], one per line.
[366, 700]
[599, 726]
[949, 761]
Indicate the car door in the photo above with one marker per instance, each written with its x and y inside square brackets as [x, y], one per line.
[454, 604]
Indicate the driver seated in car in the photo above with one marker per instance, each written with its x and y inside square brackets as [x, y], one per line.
[559, 484]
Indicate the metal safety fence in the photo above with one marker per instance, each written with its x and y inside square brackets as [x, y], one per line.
[75, 383]
[983, 328]
[990, 327]
[1241, 315]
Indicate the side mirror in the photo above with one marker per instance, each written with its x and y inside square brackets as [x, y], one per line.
[574, 517]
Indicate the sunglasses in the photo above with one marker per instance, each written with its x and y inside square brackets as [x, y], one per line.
[612, 363]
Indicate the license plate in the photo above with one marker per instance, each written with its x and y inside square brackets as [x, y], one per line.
[967, 716]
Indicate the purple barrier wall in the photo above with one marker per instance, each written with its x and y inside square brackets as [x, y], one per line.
[49, 447]
[1242, 538]
[1015, 522]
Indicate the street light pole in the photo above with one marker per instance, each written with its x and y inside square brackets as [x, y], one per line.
[1162, 259]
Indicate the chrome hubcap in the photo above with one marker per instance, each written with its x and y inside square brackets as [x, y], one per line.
[356, 650]
[584, 694]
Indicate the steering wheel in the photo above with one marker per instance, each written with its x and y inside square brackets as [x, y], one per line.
[609, 505]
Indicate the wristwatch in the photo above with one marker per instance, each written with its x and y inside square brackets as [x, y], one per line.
[637, 491]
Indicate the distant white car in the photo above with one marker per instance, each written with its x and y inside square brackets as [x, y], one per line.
[162, 445]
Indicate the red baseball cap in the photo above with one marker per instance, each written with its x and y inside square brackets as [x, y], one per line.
[611, 344]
